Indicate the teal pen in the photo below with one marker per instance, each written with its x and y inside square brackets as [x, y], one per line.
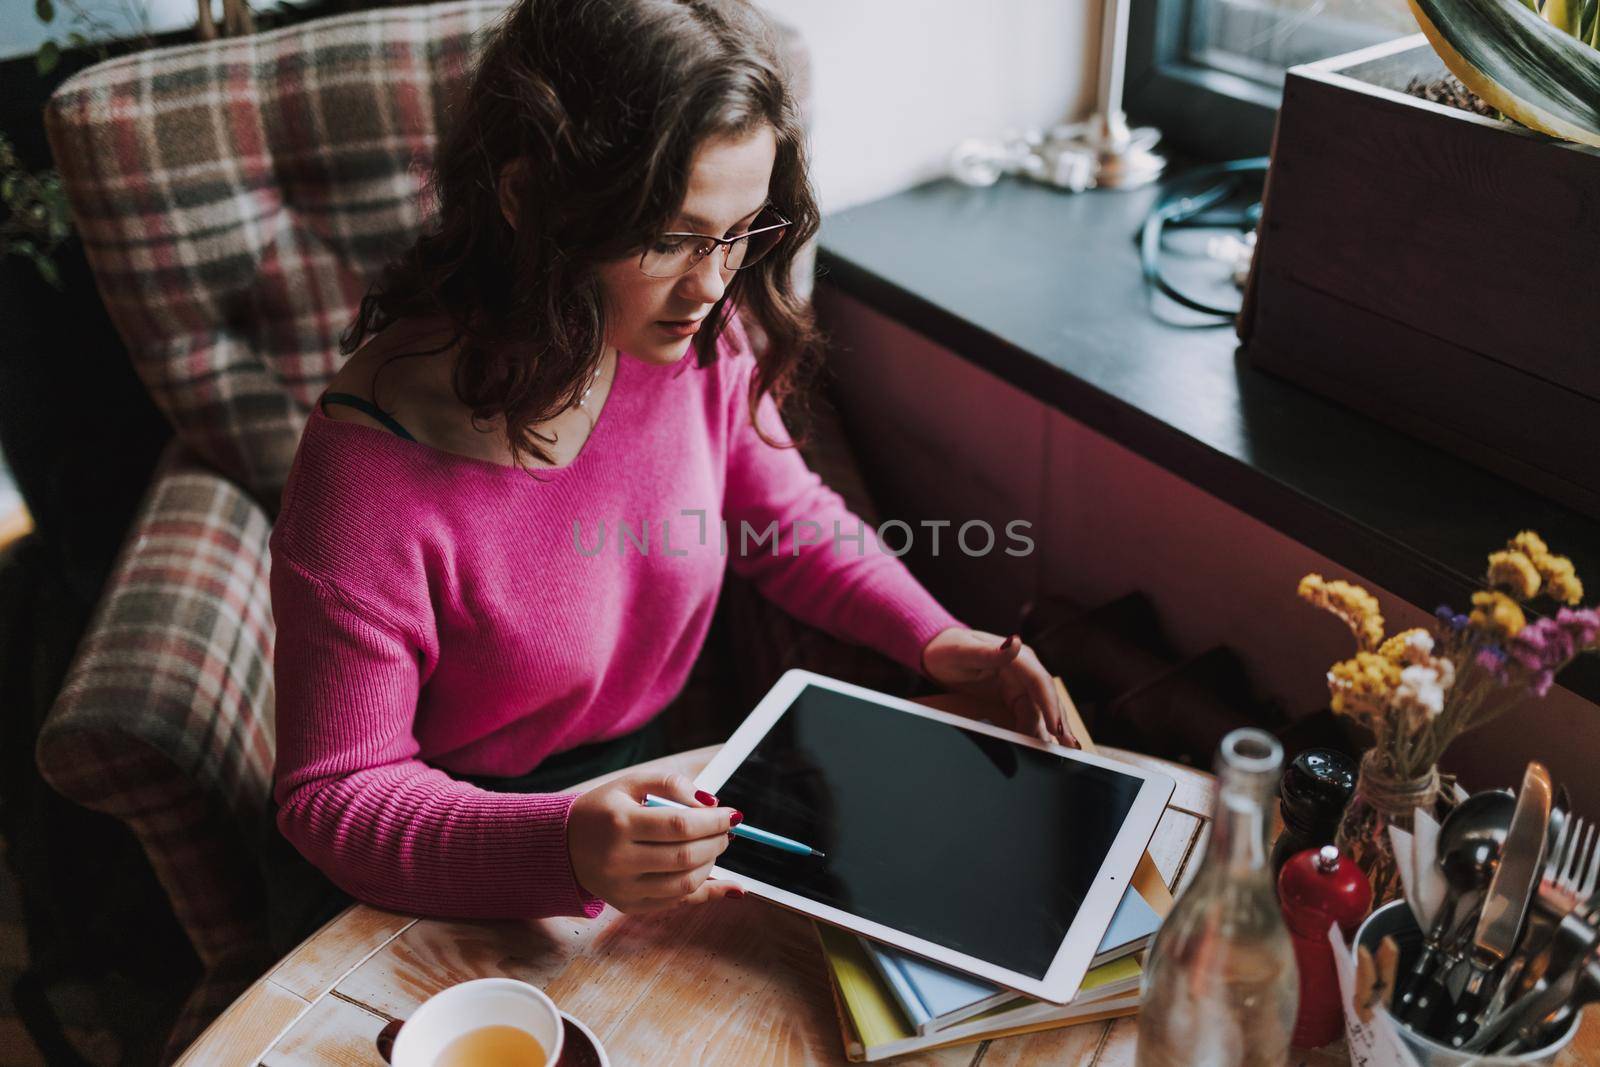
[748, 832]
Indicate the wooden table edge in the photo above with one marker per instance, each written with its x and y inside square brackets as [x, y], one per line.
[270, 993]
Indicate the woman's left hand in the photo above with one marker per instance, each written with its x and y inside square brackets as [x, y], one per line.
[1002, 671]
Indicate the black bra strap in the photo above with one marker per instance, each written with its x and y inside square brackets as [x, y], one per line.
[367, 406]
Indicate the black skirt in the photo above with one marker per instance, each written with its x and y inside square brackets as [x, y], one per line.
[301, 899]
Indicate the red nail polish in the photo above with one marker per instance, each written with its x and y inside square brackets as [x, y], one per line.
[736, 892]
[705, 798]
[736, 818]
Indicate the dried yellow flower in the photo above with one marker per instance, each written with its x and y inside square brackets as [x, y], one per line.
[1363, 683]
[1351, 603]
[1394, 649]
[1531, 545]
[1497, 614]
[1513, 572]
[1561, 581]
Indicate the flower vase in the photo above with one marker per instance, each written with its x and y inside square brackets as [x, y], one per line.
[1383, 797]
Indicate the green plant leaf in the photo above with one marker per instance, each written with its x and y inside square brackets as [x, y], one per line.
[1560, 13]
[47, 269]
[49, 55]
[44, 9]
[1537, 73]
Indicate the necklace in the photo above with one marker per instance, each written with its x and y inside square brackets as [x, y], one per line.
[583, 400]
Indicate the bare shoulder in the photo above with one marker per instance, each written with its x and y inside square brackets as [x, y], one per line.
[406, 388]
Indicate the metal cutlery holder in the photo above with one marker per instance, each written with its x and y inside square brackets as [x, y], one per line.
[1395, 919]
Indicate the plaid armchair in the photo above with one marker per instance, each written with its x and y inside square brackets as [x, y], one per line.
[234, 199]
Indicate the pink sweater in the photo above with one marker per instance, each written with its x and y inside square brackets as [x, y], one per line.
[438, 613]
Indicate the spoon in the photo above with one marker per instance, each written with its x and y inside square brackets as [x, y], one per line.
[1469, 847]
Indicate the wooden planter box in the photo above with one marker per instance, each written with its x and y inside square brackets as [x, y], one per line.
[1435, 269]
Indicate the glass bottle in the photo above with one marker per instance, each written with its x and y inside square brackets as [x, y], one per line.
[1220, 986]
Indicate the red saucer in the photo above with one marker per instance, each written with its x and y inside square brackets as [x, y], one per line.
[579, 1048]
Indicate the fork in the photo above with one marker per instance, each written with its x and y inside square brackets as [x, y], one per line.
[1542, 1032]
[1576, 881]
[1570, 878]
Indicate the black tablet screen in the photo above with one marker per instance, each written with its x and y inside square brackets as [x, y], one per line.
[972, 842]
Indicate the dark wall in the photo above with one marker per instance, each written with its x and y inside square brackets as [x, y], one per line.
[81, 437]
[77, 429]
[76, 425]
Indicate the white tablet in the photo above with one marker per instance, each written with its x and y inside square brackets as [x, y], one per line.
[965, 843]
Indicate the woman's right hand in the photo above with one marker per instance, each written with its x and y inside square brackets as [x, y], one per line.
[640, 859]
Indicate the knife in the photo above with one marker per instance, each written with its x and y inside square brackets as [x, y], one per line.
[1505, 904]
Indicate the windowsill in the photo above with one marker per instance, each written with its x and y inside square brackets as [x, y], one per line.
[1042, 289]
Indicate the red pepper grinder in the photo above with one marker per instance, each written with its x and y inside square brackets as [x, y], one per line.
[1317, 888]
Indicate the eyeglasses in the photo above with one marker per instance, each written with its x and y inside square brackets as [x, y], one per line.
[673, 254]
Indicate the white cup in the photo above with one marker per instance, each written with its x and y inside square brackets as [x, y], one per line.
[452, 1012]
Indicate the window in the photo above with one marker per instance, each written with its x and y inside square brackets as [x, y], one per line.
[1209, 73]
[14, 521]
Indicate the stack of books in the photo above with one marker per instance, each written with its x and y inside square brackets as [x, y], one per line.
[890, 1002]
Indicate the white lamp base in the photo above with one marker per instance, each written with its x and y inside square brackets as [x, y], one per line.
[1095, 154]
[1123, 158]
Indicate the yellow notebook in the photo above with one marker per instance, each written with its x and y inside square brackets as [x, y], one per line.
[874, 1029]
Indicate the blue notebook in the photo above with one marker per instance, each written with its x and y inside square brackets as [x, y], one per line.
[934, 996]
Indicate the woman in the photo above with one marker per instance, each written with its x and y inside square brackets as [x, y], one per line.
[562, 362]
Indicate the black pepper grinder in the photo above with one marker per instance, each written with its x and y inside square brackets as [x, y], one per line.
[1312, 794]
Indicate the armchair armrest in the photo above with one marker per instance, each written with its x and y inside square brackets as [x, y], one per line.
[165, 718]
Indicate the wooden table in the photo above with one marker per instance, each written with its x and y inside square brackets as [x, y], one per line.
[735, 982]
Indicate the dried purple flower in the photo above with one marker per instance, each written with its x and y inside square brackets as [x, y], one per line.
[1583, 625]
[1492, 659]
[1542, 645]
[1560, 647]
[1528, 648]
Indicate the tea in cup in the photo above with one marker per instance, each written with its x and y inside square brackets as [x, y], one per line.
[488, 1022]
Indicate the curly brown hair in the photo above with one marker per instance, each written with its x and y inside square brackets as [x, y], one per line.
[601, 104]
